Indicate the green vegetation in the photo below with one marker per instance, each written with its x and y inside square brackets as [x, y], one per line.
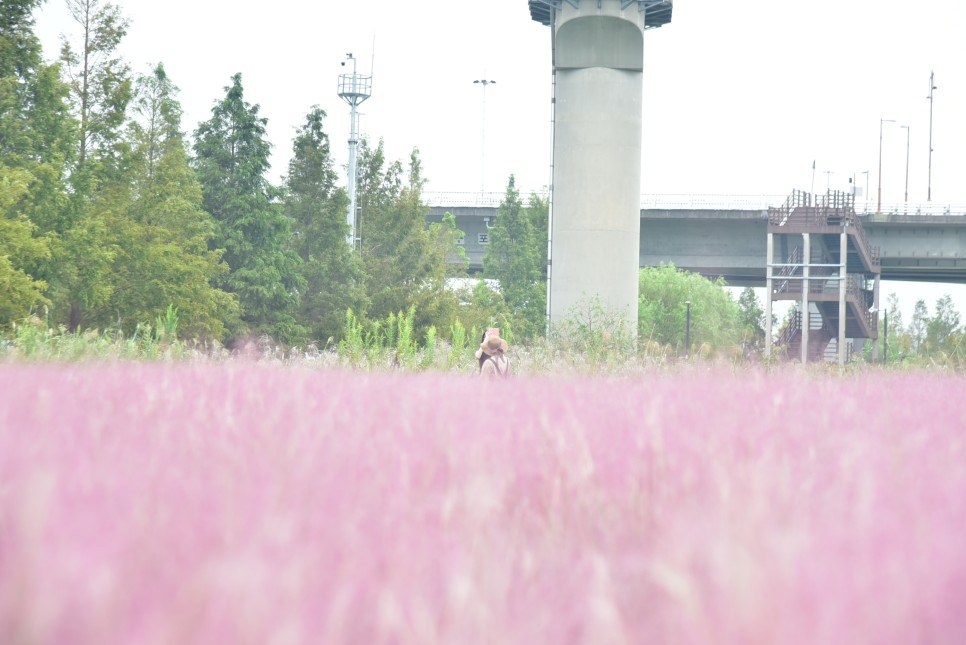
[927, 341]
[134, 241]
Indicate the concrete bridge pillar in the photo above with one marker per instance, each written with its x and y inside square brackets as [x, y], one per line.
[596, 211]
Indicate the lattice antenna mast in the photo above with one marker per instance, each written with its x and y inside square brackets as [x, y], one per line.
[354, 88]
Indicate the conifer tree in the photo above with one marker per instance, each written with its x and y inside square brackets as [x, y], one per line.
[101, 87]
[334, 275]
[232, 160]
[516, 257]
[83, 252]
[162, 257]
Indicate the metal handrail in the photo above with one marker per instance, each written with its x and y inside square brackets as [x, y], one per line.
[672, 201]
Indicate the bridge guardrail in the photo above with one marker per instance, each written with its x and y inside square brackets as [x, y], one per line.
[685, 201]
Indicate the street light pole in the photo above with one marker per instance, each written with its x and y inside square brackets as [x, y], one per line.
[878, 208]
[484, 82]
[865, 197]
[907, 128]
[932, 86]
[687, 330]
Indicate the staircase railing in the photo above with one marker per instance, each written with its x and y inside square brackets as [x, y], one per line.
[795, 257]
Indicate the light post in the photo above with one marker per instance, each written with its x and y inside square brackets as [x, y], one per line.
[484, 82]
[828, 181]
[932, 86]
[865, 196]
[885, 336]
[878, 208]
[907, 129]
[687, 330]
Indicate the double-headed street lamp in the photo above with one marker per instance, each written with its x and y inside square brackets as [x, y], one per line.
[932, 86]
[484, 82]
[878, 208]
[907, 128]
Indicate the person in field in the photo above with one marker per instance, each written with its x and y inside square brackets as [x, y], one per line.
[480, 356]
[493, 360]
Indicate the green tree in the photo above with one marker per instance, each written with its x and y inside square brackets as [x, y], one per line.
[515, 260]
[446, 237]
[35, 131]
[20, 293]
[232, 160]
[918, 327]
[942, 329]
[664, 292]
[162, 257]
[899, 342]
[482, 306]
[102, 86]
[334, 275]
[538, 209]
[751, 318]
[81, 276]
[405, 261]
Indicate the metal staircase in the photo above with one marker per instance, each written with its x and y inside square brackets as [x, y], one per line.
[833, 275]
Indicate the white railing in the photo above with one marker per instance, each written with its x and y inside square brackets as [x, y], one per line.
[712, 202]
[927, 209]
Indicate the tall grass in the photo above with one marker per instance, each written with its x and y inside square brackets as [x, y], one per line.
[239, 502]
[594, 343]
[35, 339]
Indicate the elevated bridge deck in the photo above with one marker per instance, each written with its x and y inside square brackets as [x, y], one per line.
[714, 238]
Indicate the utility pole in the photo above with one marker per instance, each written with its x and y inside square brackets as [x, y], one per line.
[932, 86]
[907, 128]
[878, 207]
[484, 82]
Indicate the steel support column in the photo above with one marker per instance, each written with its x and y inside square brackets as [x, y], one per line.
[806, 316]
[843, 289]
[770, 258]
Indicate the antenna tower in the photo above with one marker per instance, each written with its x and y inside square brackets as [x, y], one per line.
[353, 89]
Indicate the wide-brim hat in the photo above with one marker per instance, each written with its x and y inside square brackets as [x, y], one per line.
[492, 344]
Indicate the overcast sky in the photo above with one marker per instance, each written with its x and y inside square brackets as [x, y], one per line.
[739, 98]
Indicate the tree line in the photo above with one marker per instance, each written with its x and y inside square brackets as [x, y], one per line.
[112, 215]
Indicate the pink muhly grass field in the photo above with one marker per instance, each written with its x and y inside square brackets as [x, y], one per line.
[247, 504]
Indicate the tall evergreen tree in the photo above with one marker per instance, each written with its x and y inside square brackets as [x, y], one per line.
[101, 85]
[334, 275]
[232, 160]
[162, 257]
[39, 136]
[517, 259]
[35, 124]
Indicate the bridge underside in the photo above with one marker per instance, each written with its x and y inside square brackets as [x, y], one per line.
[731, 243]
